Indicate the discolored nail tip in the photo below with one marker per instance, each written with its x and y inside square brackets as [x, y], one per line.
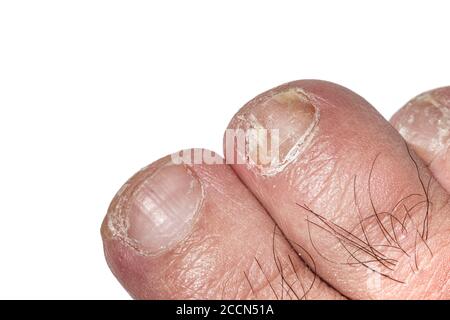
[279, 125]
[425, 122]
[152, 219]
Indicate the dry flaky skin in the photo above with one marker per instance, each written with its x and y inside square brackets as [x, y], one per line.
[350, 211]
[122, 223]
[356, 176]
[303, 121]
[234, 251]
[425, 123]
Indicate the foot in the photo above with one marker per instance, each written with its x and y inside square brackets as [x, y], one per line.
[318, 197]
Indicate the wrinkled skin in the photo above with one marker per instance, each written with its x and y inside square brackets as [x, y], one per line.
[356, 207]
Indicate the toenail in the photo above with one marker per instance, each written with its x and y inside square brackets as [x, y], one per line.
[278, 128]
[157, 208]
[425, 123]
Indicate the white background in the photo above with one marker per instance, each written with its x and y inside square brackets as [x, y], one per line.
[91, 91]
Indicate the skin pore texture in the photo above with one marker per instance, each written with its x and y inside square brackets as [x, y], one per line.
[329, 201]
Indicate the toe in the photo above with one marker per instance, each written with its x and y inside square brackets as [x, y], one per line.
[179, 230]
[339, 180]
[424, 122]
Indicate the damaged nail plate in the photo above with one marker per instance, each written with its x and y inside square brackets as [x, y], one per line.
[278, 126]
[156, 209]
[425, 122]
